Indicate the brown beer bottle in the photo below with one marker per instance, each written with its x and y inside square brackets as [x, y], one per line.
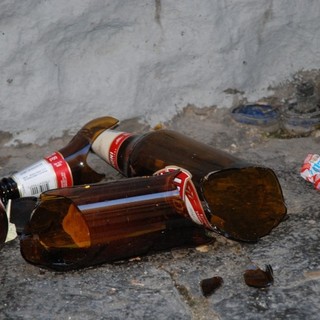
[63, 168]
[86, 225]
[240, 200]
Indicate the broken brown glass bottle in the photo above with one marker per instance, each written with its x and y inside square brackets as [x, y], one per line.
[240, 200]
[63, 168]
[87, 225]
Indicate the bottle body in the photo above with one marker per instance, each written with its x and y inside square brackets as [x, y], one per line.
[92, 224]
[241, 201]
[137, 155]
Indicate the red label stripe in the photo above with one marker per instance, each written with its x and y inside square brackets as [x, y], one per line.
[61, 169]
[193, 197]
[188, 190]
[114, 148]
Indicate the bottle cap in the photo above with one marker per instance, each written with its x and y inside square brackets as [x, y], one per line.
[261, 115]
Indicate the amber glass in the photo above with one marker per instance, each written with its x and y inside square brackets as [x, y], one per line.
[258, 278]
[75, 153]
[88, 225]
[241, 200]
[154, 150]
[3, 224]
[210, 285]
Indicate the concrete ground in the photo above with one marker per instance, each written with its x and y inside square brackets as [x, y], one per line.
[166, 285]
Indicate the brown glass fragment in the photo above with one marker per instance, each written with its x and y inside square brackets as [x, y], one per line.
[258, 278]
[210, 285]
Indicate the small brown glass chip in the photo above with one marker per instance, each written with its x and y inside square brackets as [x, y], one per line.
[210, 285]
[256, 277]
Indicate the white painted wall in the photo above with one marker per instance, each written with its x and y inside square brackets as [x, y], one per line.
[63, 63]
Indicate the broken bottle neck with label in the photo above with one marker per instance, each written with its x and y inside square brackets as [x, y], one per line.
[63, 168]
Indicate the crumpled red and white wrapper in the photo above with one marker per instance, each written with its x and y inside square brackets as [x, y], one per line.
[310, 169]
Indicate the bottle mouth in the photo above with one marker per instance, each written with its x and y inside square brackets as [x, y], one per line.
[245, 203]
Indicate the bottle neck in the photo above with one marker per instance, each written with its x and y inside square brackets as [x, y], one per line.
[8, 190]
[114, 148]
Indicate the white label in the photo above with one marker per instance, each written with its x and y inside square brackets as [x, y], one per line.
[50, 173]
[35, 179]
[101, 146]
[107, 146]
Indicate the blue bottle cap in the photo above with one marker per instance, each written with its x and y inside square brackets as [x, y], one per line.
[256, 114]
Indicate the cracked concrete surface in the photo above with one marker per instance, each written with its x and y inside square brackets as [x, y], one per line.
[166, 285]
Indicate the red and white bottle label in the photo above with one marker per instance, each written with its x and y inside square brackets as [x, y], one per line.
[310, 169]
[189, 194]
[107, 146]
[49, 173]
